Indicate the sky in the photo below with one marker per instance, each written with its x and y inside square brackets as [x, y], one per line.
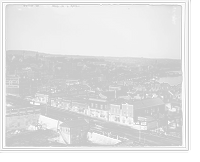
[96, 30]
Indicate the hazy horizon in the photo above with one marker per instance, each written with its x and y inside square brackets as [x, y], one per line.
[96, 30]
[93, 55]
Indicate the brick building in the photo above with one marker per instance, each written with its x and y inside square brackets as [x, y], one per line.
[99, 107]
[131, 113]
[146, 107]
[22, 85]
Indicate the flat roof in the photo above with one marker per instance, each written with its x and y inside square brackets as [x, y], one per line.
[74, 123]
[148, 103]
[98, 100]
[19, 106]
[116, 103]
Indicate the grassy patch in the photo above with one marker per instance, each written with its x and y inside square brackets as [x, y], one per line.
[51, 137]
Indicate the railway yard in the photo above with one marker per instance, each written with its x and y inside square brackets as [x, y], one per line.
[43, 138]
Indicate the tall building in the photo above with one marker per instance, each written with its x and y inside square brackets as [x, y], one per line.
[69, 66]
[23, 82]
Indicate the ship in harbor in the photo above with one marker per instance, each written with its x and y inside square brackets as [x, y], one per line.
[173, 74]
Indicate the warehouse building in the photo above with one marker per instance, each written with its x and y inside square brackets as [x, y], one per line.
[22, 85]
[152, 110]
[148, 108]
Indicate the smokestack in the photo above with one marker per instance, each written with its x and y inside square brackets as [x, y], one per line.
[144, 94]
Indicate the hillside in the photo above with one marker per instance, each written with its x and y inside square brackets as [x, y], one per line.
[126, 60]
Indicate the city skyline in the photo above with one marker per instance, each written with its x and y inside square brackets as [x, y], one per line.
[112, 30]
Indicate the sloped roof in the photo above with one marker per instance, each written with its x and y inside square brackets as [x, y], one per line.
[74, 123]
[111, 94]
[148, 103]
[158, 116]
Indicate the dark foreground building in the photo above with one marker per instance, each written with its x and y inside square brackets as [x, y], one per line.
[74, 132]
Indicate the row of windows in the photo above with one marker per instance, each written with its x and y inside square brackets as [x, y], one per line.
[152, 110]
[96, 106]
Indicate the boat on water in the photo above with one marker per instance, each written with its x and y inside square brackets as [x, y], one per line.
[173, 74]
[153, 79]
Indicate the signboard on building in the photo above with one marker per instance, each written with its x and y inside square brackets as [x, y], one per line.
[12, 82]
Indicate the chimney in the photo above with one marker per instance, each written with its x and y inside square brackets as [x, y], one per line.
[144, 94]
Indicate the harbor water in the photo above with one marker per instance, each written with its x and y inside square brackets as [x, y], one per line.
[171, 80]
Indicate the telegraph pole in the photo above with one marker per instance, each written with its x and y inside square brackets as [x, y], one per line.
[140, 129]
[144, 136]
[157, 120]
[46, 100]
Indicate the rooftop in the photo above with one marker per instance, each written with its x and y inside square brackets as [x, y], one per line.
[111, 94]
[74, 123]
[146, 103]
[116, 86]
[20, 106]
[98, 100]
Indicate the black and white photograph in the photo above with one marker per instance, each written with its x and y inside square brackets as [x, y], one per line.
[95, 76]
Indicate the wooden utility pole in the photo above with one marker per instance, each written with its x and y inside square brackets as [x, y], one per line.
[46, 100]
[157, 119]
[144, 136]
[140, 130]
